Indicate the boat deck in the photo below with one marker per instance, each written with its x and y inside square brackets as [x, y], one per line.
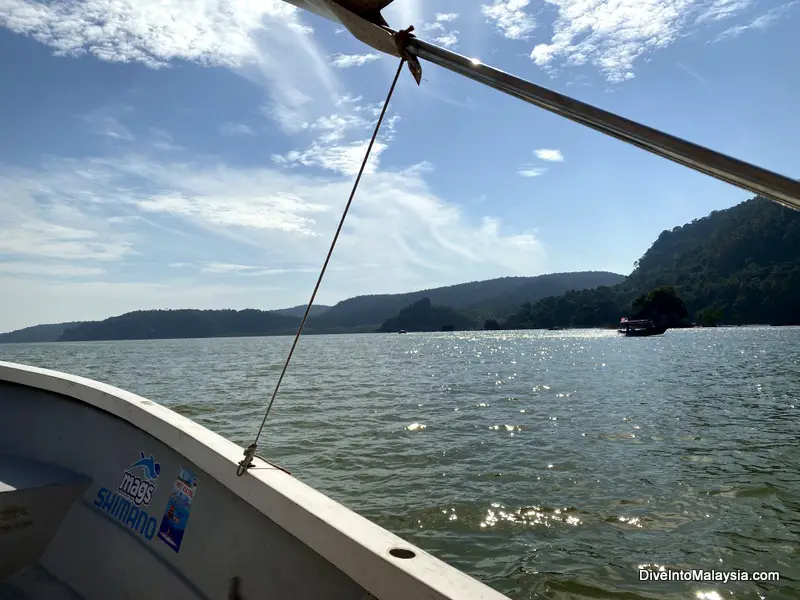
[134, 532]
[36, 583]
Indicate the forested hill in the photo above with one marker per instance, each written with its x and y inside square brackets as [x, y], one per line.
[362, 313]
[500, 296]
[169, 324]
[424, 316]
[37, 333]
[737, 266]
[299, 311]
[153, 324]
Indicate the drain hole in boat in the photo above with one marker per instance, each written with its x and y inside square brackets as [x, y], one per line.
[401, 553]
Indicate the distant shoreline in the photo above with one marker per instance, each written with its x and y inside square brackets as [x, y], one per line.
[316, 334]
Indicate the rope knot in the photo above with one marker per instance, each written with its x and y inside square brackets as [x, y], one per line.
[247, 461]
[402, 39]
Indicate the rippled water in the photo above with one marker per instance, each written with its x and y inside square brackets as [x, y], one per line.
[546, 464]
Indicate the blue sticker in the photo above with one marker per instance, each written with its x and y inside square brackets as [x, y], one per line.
[134, 492]
[176, 515]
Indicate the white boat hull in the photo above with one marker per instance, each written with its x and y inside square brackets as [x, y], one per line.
[265, 533]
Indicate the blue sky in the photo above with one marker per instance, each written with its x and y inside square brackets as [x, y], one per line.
[198, 153]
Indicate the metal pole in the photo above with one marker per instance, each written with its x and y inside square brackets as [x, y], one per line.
[781, 189]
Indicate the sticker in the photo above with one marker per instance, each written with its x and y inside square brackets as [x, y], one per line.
[176, 515]
[134, 492]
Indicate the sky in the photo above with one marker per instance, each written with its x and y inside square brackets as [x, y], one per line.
[198, 153]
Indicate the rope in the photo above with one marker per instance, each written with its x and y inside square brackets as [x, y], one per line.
[250, 451]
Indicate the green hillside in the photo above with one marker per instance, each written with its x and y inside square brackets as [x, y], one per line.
[476, 300]
[737, 266]
[299, 311]
[500, 296]
[171, 324]
[424, 316]
[37, 333]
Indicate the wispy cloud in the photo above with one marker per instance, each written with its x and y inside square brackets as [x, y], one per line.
[443, 36]
[235, 214]
[37, 238]
[264, 41]
[341, 158]
[283, 213]
[217, 32]
[439, 20]
[613, 36]
[760, 22]
[54, 270]
[234, 129]
[217, 268]
[40, 220]
[446, 17]
[342, 139]
[162, 140]
[543, 154]
[549, 155]
[532, 171]
[510, 18]
[105, 121]
[214, 267]
[448, 40]
[703, 81]
[722, 9]
[347, 61]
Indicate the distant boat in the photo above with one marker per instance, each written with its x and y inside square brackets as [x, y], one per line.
[402, 331]
[639, 327]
